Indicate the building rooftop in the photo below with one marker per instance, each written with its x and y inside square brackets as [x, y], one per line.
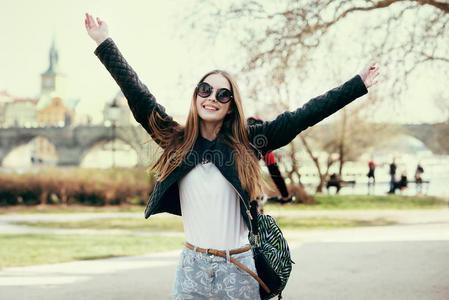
[22, 99]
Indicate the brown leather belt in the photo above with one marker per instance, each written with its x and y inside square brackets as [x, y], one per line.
[222, 253]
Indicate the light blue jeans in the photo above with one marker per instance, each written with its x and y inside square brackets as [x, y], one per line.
[205, 276]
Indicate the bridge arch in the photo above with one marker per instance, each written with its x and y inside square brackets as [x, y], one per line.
[29, 149]
[71, 143]
[105, 151]
[434, 136]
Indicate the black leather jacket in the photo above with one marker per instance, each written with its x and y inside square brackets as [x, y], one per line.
[265, 137]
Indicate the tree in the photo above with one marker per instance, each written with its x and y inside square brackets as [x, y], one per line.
[282, 38]
[401, 34]
[345, 139]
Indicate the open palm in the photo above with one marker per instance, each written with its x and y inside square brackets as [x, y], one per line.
[98, 30]
[369, 74]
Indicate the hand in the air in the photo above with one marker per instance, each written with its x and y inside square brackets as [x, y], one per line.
[369, 74]
[98, 31]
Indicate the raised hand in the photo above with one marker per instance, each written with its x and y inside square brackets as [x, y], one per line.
[98, 31]
[369, 74]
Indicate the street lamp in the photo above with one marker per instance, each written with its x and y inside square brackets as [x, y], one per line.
[114, 117]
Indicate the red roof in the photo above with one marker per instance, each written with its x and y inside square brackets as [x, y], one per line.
[33, 100]
[4, 93]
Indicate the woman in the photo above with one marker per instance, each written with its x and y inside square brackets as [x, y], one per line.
[208, 171]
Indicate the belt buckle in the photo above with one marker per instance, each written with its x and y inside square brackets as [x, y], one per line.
[207, 253]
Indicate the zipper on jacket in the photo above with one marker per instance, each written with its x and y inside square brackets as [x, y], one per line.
[249, 215]
[246, 208]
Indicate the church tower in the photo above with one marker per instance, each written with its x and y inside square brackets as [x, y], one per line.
[52, 80]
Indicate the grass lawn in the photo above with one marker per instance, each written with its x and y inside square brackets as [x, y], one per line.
[367, 202]
[33, 249]
[171, 224]
[288, 223]
[70, 209]
[133, 224]
[323, 202]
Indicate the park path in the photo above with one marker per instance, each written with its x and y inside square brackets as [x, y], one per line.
[7, 225]
[406, 261]
[440, 216]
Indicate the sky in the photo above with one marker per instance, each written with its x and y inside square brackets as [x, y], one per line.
[143, 32]
[147, 33]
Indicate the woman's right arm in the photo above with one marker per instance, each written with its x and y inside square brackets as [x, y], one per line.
[141, 102]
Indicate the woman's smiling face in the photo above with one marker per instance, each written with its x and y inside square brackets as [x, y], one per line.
[209, 109]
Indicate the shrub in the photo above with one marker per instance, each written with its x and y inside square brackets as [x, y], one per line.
[76, 186]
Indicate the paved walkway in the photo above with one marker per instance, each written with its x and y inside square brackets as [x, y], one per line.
[7, 223]
[406, 261]
[400, 216]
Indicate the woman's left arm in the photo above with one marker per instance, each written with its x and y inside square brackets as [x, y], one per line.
[274, 134]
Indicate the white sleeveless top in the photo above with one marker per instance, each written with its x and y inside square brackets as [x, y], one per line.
[210, 210]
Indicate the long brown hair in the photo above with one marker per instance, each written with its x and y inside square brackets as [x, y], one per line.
[177, 140]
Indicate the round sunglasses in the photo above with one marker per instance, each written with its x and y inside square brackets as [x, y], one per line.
[222, 95]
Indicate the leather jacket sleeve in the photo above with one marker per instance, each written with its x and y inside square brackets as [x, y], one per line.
[272, 135]
[141, 102]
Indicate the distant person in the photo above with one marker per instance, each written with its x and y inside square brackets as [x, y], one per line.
[275, 173]
[403, 182]
[400, 185]
[393, 168]
[371, 174]
[334, 180]
[418, 178]
[371, 169]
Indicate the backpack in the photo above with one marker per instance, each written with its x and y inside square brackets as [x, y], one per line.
[271, 254]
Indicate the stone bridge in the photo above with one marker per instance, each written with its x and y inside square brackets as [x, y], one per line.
[72, 144]
[434, 136]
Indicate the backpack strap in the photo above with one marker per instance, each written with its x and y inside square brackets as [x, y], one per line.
[254, 275]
